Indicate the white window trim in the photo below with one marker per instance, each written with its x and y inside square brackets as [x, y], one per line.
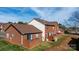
[7, 35]
[21, 40]
[53, 27]
[50, 33]
[37, 35]
[12, 35]
[1, 26]
[10, 38]
[31, 37]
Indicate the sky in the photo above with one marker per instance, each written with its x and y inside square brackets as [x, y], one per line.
[26, 14]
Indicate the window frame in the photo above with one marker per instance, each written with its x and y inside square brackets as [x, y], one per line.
[37, 35]
[12, 35]
[7, 35]
[29, 37]
[49, 33]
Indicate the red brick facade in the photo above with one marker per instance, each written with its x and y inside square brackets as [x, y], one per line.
[35, 41]
[51, 31]
[15, 37]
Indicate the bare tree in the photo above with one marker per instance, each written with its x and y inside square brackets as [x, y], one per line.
[73, 21]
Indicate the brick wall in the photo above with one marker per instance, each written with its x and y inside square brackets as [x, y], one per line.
[16, 38]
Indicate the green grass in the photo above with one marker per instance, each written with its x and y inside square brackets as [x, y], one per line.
[41, 47]
[6, 46]
[70, 49]
[45, 45]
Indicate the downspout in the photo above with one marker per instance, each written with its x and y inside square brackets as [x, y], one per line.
[21, 39]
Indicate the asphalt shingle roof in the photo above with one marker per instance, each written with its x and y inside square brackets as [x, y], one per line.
[46, 22]
[24, 28]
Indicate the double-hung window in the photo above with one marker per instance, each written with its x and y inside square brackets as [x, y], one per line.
[12, 35]
[29, 36]
[7, 35]
[49, 34]
[37, 36]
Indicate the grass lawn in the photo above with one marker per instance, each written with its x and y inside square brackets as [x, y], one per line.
[45, 45]
[6, 46]
[70, 49]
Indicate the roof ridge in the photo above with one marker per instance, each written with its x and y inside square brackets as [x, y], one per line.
[45, 22]
[24, 29]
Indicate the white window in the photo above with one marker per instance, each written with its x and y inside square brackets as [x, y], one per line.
[59, 31]
[53, 27]
[29, 36]
[10, 38]
[12, 35]
[37, 35]
[1, 26]
[7, 35]
[49, 33]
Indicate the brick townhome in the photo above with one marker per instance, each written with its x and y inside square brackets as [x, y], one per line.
[31, 34]
[3, 26]
[23, 34]
[49, 29]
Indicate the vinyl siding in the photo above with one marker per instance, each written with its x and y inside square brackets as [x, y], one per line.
[39, 26]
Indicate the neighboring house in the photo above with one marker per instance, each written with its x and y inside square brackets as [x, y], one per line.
[49, 29]
[22, 34]
[3, 26]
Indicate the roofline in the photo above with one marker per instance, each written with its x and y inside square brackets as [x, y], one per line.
[36, 20]
[19, 31]
[13, 27]
[31, 20]
[49, 25]
[32, 33]
[7, 27]
[42, 23]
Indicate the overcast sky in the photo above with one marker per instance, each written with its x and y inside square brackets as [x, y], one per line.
[26, 14]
